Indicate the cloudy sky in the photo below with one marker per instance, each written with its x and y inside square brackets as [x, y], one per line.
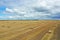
[29, 9]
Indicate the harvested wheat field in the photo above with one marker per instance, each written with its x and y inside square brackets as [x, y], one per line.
[29, 30]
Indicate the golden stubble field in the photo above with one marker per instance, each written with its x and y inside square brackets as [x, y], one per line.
[15, 30]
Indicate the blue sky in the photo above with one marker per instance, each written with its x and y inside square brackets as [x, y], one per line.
[29, 9]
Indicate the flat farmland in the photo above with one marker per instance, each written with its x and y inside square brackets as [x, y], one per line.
[26, 30]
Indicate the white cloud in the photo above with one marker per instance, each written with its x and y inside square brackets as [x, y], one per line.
[26, 8]
[9, 10]
[16, 10]
[14, 17]
[11, 17]
[43, 3]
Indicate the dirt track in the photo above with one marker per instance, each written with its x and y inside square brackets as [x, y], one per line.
[56, 35]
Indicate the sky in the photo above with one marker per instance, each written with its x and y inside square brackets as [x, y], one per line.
[29, 9]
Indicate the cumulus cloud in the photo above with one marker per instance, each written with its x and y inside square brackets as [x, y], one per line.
[32, 9]
[9, 10]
